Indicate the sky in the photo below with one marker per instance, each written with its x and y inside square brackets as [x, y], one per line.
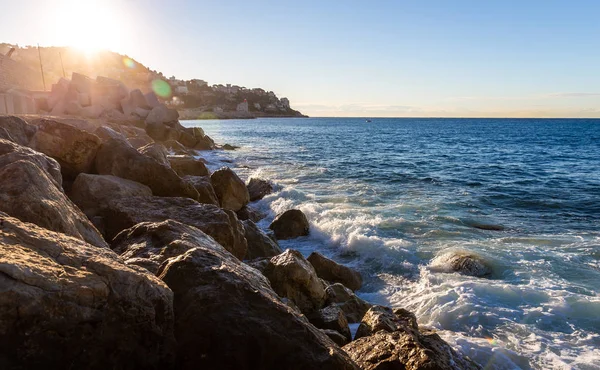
[436, 58]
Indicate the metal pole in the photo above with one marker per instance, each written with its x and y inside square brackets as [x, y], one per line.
[62, 65]
[41, 67]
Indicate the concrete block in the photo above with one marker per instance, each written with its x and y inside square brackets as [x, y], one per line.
[82, 83]
[152, 99]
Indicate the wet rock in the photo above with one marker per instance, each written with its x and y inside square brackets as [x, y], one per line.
[465, 263]
[11, 152]
[156, 151]
[229, 147]
[188, 166]
[259, 244]
[331, 318]
[120, 159]
[354, 308]
[212, 289]
[230, 189]
[91, 193]
[17, 130]
[73, 148]
[293, 277]
[175, 148]
[221, 225]
[28, 193]
[290, 224]
[258, 188]
[334, 272]
[206, 192]
[384, 318]
[249, 213]
[67, 304]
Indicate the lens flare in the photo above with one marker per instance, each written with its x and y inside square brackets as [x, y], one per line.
[129, 63]
[161, 88]
[492, 341]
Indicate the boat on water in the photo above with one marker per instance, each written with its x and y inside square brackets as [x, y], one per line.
[368, 120]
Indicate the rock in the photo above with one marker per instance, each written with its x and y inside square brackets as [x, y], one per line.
[120, 159]
[188, 166]
[141, 112]
[73, 148]
[106, 133]
[332, 318]
[156, 151]
[383, 318]
[204, 143]
[175, 148]
[336, 337]
[463, 262]
[66, 304]
[187, 139]
[162, 114]
[92, 111]
[138, 142]
[229, 147]
[227, 317]
[259, 244]
[260, 264]
[82, 83]
[221, 225]
[11, 152]
[157, 131]
[28, 193]
[334, 272]
[149, 244]
[230, 189]
[152, 99]
[354, 308]
[206, 192]
[258, 188]
[19, 131]
[84, 99]
[73, 108]
[293, 277]
[290, 224]
[93, 192]
[139, 100]
[408, 350]
[249, 213]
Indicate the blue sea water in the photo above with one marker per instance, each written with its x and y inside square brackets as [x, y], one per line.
[393, 197]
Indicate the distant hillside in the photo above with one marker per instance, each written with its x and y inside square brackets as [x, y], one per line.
[193, 96]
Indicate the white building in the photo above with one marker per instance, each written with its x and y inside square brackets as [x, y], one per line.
[242, 107]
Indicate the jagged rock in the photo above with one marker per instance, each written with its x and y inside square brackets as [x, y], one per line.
[175, 148]
[336, 337]
[120, 159]
[187, 139]
[188, 166]
[383, 318]
[206, 192]
[156, 151]
[230, 189]
[93, 192]
[211, 289]
[157, 131]
[73, 148]
[162, 114]
[106, 133]
[222, 225]
[152, 99]
[465, 263]
[258, 188]
[149, 244]
[332, 318]
[138, 99]
[260, 264]
[66, 304]
[249, 213]
[229, 147]
[18, 130]
[354, 308]
[141, 112]
[406, 349]
[293, 277]
[28, 193]
[259, 244]
[334, 272]
[204, 143]
[290, 224]
[11, 152]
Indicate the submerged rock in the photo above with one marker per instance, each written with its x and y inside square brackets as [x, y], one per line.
[334, 272]
[290, 224]
[465, 263]
[66, 304]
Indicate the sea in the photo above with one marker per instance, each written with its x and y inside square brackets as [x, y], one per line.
[394, 197]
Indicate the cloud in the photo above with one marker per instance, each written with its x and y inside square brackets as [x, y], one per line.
[573, 95]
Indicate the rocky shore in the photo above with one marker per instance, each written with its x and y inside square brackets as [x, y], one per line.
[120, 250]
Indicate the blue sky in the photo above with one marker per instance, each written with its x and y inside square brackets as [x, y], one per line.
[351, 58]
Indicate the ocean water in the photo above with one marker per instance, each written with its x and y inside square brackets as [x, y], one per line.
[393, 197]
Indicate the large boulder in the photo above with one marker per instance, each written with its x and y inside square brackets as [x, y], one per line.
[91, 193]
[228, 317]
[230, 189]
[249, 213]
[17, 130]
[354, 308]
[28, 193]
[290, 224]
[162, 114]
[259, 244]
[334, 272]
[73, 148]
[221, 225]
[188, 166]
[156, 151]
[106, 133]
[67, 305]
[258, 188]
[150, 244]
[293, 277]
[11, 152]
[463, 262]
[206, 192]
[122, 160]
[331, 318]
[384, 318]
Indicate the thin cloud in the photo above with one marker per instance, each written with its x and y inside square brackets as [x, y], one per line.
[573, 95]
